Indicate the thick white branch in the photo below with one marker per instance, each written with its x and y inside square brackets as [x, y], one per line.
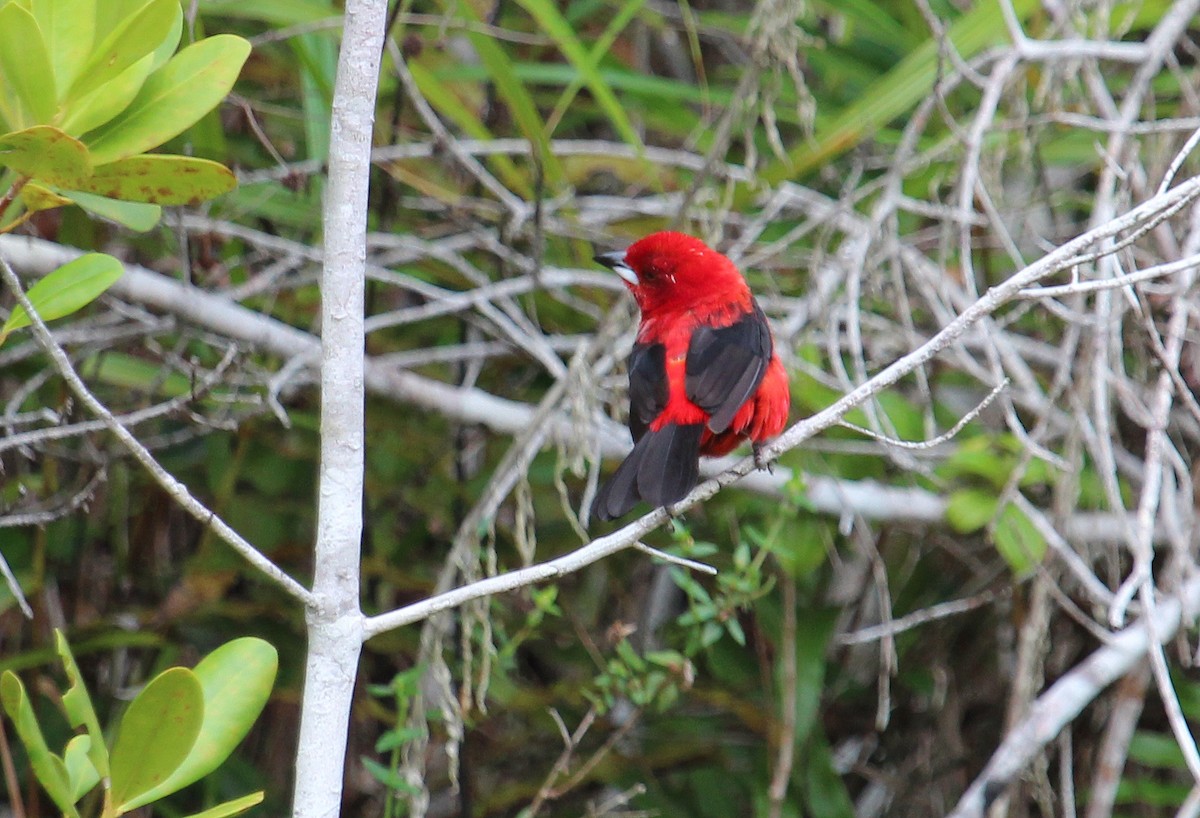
[335, 620]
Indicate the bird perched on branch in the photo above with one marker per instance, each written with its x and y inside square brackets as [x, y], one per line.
[703, 374]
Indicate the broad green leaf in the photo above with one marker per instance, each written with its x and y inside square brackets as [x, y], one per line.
[234, 807]
[166, 49]
[67, 289]
[156, 734]
[50, 771]
[140, 34]
[160, 179]
[970, 509]
[192, 83]
[35, 198]
[1018, 540]
[46, 153]
[81, 772]
[236, 679]
[134, 215]
[116, 13]
[68, 28]
[25, 67]
[101, 105]
[78, 703]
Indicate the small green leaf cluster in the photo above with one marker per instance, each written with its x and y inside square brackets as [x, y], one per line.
[180, 728]
[402, 691]
[650, 681]
[712, 614]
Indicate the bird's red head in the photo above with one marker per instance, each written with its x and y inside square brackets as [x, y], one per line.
[669, 270]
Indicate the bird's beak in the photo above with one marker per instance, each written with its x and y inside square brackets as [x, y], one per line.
[616, 263]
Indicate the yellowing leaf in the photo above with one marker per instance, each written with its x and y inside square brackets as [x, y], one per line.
[160, 179]
[36, 198]
[156, 734]
[47, 154]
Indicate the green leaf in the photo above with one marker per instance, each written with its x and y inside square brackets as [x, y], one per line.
[162, 55]
[160, 179]
[277, 13]
[156, 735]
[191, 84]
[388, 777]
[236, 680]
[135, 37]
[134, 215]
[67, 289]
[234, 807]
[105, 102]
[1156, 750]
[50, 771]
[317, 55]
[970, 509]
[823, 789]
[46, 153]
[68, 28]
[81, 772]
[77, 702]
[1018, 540]
[25, 67]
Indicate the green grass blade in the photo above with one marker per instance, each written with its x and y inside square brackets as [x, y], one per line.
[447, 103]
[896, 92]
[516, 96]
[553, 23]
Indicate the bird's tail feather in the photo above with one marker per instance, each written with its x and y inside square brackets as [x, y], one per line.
[662, 468]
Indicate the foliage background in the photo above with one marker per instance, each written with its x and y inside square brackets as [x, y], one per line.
[872, 167]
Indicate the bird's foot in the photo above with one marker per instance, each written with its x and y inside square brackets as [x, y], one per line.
[760, 460]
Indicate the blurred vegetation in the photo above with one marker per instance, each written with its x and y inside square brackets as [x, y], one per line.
[676, 690]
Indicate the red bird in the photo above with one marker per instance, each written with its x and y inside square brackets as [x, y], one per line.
[703, 374]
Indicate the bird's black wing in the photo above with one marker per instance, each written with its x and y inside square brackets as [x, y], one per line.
[725, 366]
[648, 390]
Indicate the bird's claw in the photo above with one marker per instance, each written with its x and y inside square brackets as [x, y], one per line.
[760, 461]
